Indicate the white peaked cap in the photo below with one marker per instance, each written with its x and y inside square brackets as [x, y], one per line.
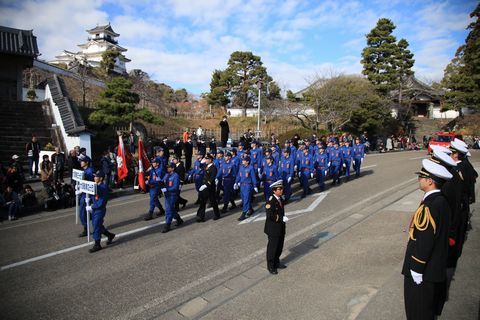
[441, 157]
[434, 170]
[276, 184]
[441, 149]
[458, 146]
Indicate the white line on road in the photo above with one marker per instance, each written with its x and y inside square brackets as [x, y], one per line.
[422, 157]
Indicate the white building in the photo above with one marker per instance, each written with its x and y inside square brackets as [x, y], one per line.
[100, 39]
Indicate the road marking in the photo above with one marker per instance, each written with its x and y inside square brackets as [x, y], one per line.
[260, 214]
[416, 158]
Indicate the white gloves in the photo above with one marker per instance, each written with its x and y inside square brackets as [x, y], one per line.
[261, 184]
[311, 175]
[326, 172]
[256, 189]
[235, 186]
[417, 277]
[203, 187]
[78, 192]
[189, 177]
[285, 218]
[203, 160]
[289, 179]
[259, 171]
[344, 165]
[361, 160]
[328, 164]
[164, 190]
[295, 168]
[216, 182]
[89, 209]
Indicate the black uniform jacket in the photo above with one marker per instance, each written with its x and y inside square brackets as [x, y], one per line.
[209, 177]
[274, 225]
[427, 246]
[452, 190]
[180, 170]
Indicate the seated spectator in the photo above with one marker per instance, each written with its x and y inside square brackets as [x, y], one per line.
[14, 179]
[46, 171]
[10, 203]
[29, 200]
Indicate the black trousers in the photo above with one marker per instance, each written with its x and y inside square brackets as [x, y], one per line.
[208, 195]
[274, 250]
[188, 161]
[420, 299]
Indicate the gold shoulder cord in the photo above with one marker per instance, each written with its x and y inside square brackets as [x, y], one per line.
[421, 220]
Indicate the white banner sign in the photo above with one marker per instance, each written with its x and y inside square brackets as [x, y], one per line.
[77, 175]
[89, 187]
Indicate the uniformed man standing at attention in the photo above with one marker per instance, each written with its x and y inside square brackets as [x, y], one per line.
[275, 227]
[207, 191]
[425, 262]
[99, 209]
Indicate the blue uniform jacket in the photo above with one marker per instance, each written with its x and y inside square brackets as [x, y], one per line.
[256, 156]
[358, 151]
[246, 175]
[335, 156]
[270, 173]
[171, 182]
[101, 198]
[155, 178]
[286, 167]
[321, 160]
[306, 164]
[347, 153]
[229, 171]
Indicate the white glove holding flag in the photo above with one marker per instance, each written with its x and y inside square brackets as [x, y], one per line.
[285, 218]
[256, 189]
[417, 277]
[203, 187]
[89, 209]
[164, 190]
[235, 186]
[289, 179]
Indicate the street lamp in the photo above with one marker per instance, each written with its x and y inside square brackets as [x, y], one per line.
[259, 85]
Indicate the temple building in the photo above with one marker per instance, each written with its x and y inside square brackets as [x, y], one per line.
[100, 39]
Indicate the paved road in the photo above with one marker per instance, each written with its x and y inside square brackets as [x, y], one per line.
[343, 247]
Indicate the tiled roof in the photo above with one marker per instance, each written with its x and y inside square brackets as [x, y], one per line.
[18, 42]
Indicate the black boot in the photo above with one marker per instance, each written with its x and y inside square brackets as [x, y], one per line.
[225, 208]
[96, 247]
[166, 228]
[84, 233]
[242, 217]
[179, 222]
[148, 216]
[110, 236]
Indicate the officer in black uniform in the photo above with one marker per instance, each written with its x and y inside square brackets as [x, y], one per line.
[275, 227]
[207, 191]
[425, 262]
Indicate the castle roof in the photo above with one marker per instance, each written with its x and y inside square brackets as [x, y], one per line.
[18, 42]
[106, 28]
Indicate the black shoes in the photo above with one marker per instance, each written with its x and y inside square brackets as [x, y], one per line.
[272, 271]
[96, 247]
[166, 228]
[179, 222]
[200, 219]
[233, 206]
[242, 217]
[83, 234]
[281, 266]
[225, 209]
[110, 237]
[216, 217]
[161, 213]
[148, 217]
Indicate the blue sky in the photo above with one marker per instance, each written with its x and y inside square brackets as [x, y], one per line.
[181, 42]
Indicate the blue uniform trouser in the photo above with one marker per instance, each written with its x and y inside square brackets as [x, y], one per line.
[320, 177]
[287, 187]
[304, 176]
[335, 171]
[154, 202]
[83, 210]
[348, 164]
[267, 191]
[246, 194]
[97, 222]
[356, 165]
[227, 190]
[170, 212]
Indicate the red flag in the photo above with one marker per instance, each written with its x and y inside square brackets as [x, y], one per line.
[122, 170]
[143, 164]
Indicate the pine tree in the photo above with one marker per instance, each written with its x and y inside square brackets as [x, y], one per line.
[380, 55]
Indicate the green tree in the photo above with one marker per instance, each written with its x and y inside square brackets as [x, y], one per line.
[273, 91]
[386, 62]
[108, 61]
[238, 82]
[119, 104]
[291, 96]
[181, 95]
[462, 75]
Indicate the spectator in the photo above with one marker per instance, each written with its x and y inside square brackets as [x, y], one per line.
[200, 132]
[16, 163]
[14, 179]
[225, 131]
[186, 135]
[177, 148]
[113, 166]
[131, 142]
[188, 148]
[33, 154]
[10, 203]
[166, 149]
[106, 166]
[83, 151]
[212, 147]
[58, 163]
[46, 172]
[29, 199]
[389, 144]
